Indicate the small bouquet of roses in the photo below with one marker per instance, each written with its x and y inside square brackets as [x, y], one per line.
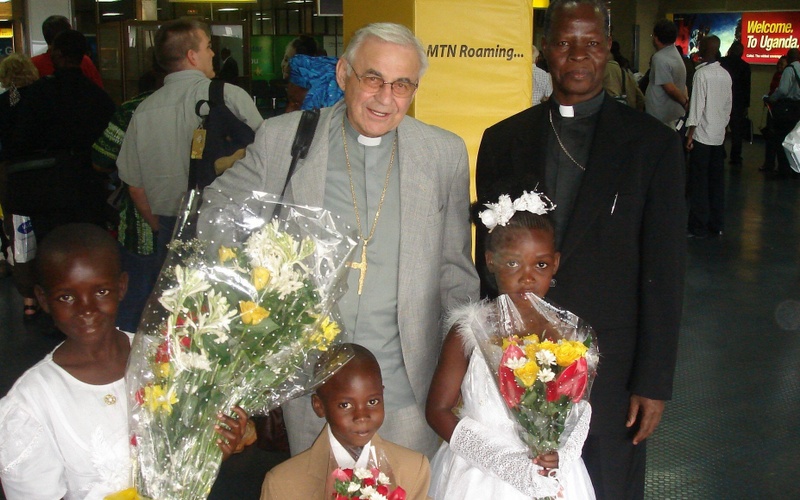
[242, 309]
[544, 359]
[364, 483]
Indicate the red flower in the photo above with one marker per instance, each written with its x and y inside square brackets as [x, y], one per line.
[186, 342]
[342, 475]
[139, 396]
[133, 440]
[509, 388]
[571, 382]
[339, 496]
[163, 352]
[398, 494]
[368, 481]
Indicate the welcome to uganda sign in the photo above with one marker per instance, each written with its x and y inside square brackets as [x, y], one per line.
[766, 36]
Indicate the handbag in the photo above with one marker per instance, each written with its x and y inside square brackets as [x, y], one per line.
[786, 112]
[792, 146]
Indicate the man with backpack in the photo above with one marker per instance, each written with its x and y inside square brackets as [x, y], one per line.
[155, 155]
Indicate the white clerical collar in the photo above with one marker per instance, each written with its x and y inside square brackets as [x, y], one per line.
[369, 141]
[566, 111]
[343, 458]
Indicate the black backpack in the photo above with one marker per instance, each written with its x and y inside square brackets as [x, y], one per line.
[224, 134]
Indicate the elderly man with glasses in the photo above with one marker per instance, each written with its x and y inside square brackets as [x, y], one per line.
[404, 186]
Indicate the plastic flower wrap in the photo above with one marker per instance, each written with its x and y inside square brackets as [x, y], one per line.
[241, 311]
[372, 481]
[544, 359]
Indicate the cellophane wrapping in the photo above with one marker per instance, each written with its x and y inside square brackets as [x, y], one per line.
[242, 309]
[544, 359]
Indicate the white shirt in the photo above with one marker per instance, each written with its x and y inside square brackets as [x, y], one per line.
[710, 106]
[156, 149]
[63, 438]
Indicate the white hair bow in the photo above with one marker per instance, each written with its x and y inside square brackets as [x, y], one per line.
[501, 212]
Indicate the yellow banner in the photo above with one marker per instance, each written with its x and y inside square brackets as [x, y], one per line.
[480, 64]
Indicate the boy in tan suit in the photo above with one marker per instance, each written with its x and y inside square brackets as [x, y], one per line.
[351, 401]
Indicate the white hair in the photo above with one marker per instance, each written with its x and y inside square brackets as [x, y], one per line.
[390, 33]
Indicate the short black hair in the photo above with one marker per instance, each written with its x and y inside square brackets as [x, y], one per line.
[305, 45]
[70, 239]
[666, 31]
[54, 25]
[736, 49]
[598, 5]
[72, 46]
[358, 355]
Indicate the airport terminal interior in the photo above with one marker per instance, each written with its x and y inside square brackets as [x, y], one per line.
[731, 430]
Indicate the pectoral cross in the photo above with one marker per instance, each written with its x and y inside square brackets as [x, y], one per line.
[362, 268]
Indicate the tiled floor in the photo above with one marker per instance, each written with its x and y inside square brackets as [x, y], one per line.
[733, 428]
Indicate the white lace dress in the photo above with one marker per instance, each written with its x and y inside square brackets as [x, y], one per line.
[453, 477]
[63, 438]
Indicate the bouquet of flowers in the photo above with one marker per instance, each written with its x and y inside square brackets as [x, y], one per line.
[364, 483]
[242, 308]
[544, 359]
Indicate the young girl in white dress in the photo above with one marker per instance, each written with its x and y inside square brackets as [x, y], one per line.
[482, 456]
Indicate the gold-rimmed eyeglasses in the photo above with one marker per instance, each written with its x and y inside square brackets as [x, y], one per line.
[373, 84]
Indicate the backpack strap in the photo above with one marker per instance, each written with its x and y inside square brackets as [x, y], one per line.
[216, 93]
[302, 142]
[216, 97]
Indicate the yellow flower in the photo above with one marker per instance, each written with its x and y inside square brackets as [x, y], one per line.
[226, 254]
[568, 351]
[260, 276]
[129, 494]
[531, 350]
[328, 330]
[158, 399]
[252, 313]
[162, 370]
[549, 345]
[531, 339]
[527, 374]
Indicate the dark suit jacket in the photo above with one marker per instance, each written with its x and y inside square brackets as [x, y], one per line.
[740, 80]
[229, 71]
[623, 254]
